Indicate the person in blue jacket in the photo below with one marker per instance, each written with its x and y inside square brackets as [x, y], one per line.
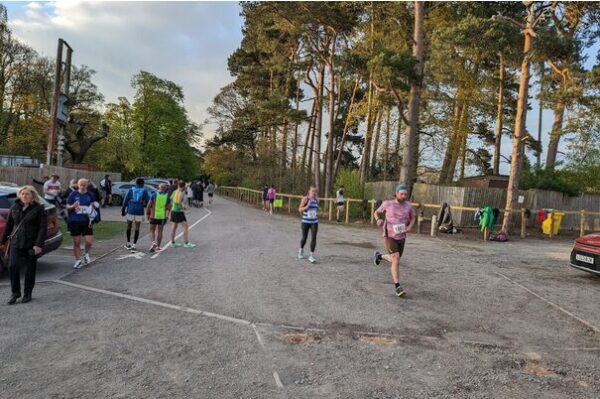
[134, 205]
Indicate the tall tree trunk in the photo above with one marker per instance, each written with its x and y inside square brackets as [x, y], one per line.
[347, 124]
[515, 172]
[376, 139]
[457, 143]
[332, 113]
[364, 165]
[555, 134]
[386, 147]
[308, 143]
[318, 130]
[447, 172]
[499, 119]
[538, 155]
[408, 161]
[397, 145]
[295, 140]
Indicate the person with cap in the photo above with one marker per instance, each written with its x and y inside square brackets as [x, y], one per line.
[397, 217]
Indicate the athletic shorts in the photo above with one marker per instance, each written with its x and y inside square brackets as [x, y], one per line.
[272, 200]
[340, 204]
[158, 222]
[81, 229]
[394, 246]
[134, 218]
[178, 217]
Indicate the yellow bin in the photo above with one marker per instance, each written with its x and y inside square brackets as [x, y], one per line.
[547, 223]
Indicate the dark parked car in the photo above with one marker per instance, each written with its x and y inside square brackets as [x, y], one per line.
[120, 189]
[586, 253]
[54, 237]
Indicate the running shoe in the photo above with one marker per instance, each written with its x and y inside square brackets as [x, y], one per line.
[399, 291]
[158, 249]
[376, 258]
[86, 259]
[153, 247]
[128, 246]
[189, 245]
[312, 259]
[132, 248]
[77, 264]
[301, 254]
[176, 244]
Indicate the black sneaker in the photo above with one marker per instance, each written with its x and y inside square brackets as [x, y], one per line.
[399, 291]
[376, 258]
[13, 299]
[26, 298]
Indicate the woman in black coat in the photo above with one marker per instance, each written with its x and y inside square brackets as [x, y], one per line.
[26, 227]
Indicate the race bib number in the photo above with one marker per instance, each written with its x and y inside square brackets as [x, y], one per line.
[399, 228]
[311, 214]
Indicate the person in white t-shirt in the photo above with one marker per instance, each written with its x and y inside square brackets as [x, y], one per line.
[52, 189]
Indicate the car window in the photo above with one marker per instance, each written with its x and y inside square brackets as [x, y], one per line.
[5, 202]
[126, 186]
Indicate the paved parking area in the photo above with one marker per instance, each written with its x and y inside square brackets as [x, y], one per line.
[239, 316]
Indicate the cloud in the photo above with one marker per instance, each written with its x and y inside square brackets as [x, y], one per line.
[185, 42]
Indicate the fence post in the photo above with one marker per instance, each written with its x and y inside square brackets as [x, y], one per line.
[372, 211]
[552, 224]
[582, 223]
[330, 208]
[289, 204]
[433, 223]
[348, 212]
[486, 233]
[523, 226]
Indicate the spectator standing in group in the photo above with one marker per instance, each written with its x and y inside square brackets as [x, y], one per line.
[265, 197]
[25, 232]
[190, 195]
[198, 190]
[158, 214]
[106, 186]
[178, 217]
[271, 195]
[52, 189]
[210, 190]
[339, 201]
[79, 206]
[133, 208]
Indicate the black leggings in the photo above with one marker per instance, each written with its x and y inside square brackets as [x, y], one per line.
[313, 227]
[21, 258]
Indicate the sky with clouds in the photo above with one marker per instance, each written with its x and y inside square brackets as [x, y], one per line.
[185, 42]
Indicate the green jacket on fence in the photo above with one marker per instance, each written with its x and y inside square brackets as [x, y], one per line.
[487, 218]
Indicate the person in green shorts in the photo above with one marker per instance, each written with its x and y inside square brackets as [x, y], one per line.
[178, 200]
[158, 210]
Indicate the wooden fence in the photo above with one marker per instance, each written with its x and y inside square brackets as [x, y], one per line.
[24, 175]
[426, 211]
[476, 197]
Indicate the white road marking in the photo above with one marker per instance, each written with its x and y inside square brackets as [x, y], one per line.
[563, 310]
[167, 245]
[258, 336]
[155, 303]
[277, 379]
[136, 255]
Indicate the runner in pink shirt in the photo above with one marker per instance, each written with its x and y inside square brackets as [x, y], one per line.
[271, 195]
[399, 219]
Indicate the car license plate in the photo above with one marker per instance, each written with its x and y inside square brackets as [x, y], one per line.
[585, 259]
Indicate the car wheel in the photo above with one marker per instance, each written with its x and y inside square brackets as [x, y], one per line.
[117, 200]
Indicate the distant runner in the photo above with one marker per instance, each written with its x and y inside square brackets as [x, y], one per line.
[81, 204]
[265, 199]
[133, 206]
[52, 189]
[158, 214]
[398, 220]
[271, 195]
[210, 189]
[178, 217]
[309, 207]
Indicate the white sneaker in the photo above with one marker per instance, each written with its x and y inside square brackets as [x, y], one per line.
[132, 247]
[77, 265]
[301, 254]
[86, 259]
[312, 259]
[128, 246]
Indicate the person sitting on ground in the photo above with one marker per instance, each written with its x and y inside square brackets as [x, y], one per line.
[178, 217]
[25, 232]
[133, 207]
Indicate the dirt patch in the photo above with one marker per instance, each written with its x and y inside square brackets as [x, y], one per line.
[301, 338]
[538, 369]
[380, 340]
